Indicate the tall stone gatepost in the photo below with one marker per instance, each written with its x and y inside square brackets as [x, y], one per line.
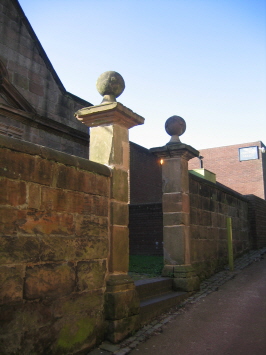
[176, 207]
[109, 123]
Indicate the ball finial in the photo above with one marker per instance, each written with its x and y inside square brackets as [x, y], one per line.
[110, 85]
[175, 126]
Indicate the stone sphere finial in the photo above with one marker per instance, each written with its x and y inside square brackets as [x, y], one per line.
[110, 85]
[175, 126]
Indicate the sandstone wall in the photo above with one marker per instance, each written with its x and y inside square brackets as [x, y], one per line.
[54, 248]
[257, 213]
[210, 205]
[44, 110]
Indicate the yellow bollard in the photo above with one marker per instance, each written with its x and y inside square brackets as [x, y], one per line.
[230, 243]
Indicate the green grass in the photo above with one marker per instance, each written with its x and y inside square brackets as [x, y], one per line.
[146, 264]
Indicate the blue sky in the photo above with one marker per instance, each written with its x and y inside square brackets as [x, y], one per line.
[204, 60]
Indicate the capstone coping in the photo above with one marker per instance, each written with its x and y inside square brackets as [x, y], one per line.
[54, 155]
[109, 113]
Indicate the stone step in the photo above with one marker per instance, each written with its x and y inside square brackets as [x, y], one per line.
[156, 296]
[152, 287]
[153, 307]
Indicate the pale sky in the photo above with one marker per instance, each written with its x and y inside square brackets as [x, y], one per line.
[203, 60]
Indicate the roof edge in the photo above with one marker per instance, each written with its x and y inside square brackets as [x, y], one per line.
[44, 55]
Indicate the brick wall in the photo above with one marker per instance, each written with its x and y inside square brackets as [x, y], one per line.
[47, 114]
[145, 176]
[245, 177]
[210, 205]
[146, 229]
[54, 248]
[257, 213]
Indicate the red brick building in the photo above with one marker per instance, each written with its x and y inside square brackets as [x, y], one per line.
[241, 167]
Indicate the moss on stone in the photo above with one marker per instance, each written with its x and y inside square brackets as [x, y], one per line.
[75, 333]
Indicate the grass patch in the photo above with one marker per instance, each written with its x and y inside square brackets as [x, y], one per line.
[146, 264]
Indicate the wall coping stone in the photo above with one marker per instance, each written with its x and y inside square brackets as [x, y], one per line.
[54, 155]
[219, 186]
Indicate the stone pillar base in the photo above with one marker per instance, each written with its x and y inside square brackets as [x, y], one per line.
[184, 277]
[121, 307]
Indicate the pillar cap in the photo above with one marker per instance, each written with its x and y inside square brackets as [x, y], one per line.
[107, 114]
[175, 150]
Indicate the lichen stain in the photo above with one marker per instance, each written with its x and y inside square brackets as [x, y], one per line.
[73, 334]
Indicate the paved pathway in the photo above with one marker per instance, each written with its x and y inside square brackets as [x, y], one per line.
[231, 321]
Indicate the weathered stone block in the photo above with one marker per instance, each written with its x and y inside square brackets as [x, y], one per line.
[206, 203]
[21, 81]
[68, 178]
[49, 280]
[64, 201]
[36, 88]
[10, 343]
[43, 171]
[10, 219]
[26, 167]
[38, 340]
[188, 284]
[85, 303]
[120, 329]
[194, 232]
[175, 218]
[91, 248]
[25, 316]
[206, 218]
[119, 183]
[41, 223]
[120, 305]
[102, 185]
[175, 175]
[183, 271]
[119, 213]
[13, 193]
[194, 200]
[91, 274]
[176, 202]
[91, 226]
[176, 245]
[19, 249]
[119, 248]
[57, 248]
[99, 205]
[222, 234]
[77, 334]
[34, 196]
[194, 216]
[11, 283]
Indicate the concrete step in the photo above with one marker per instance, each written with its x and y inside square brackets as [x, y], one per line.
[156, 296]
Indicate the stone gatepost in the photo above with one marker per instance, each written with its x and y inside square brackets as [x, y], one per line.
[109, 123]
[176, 207]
